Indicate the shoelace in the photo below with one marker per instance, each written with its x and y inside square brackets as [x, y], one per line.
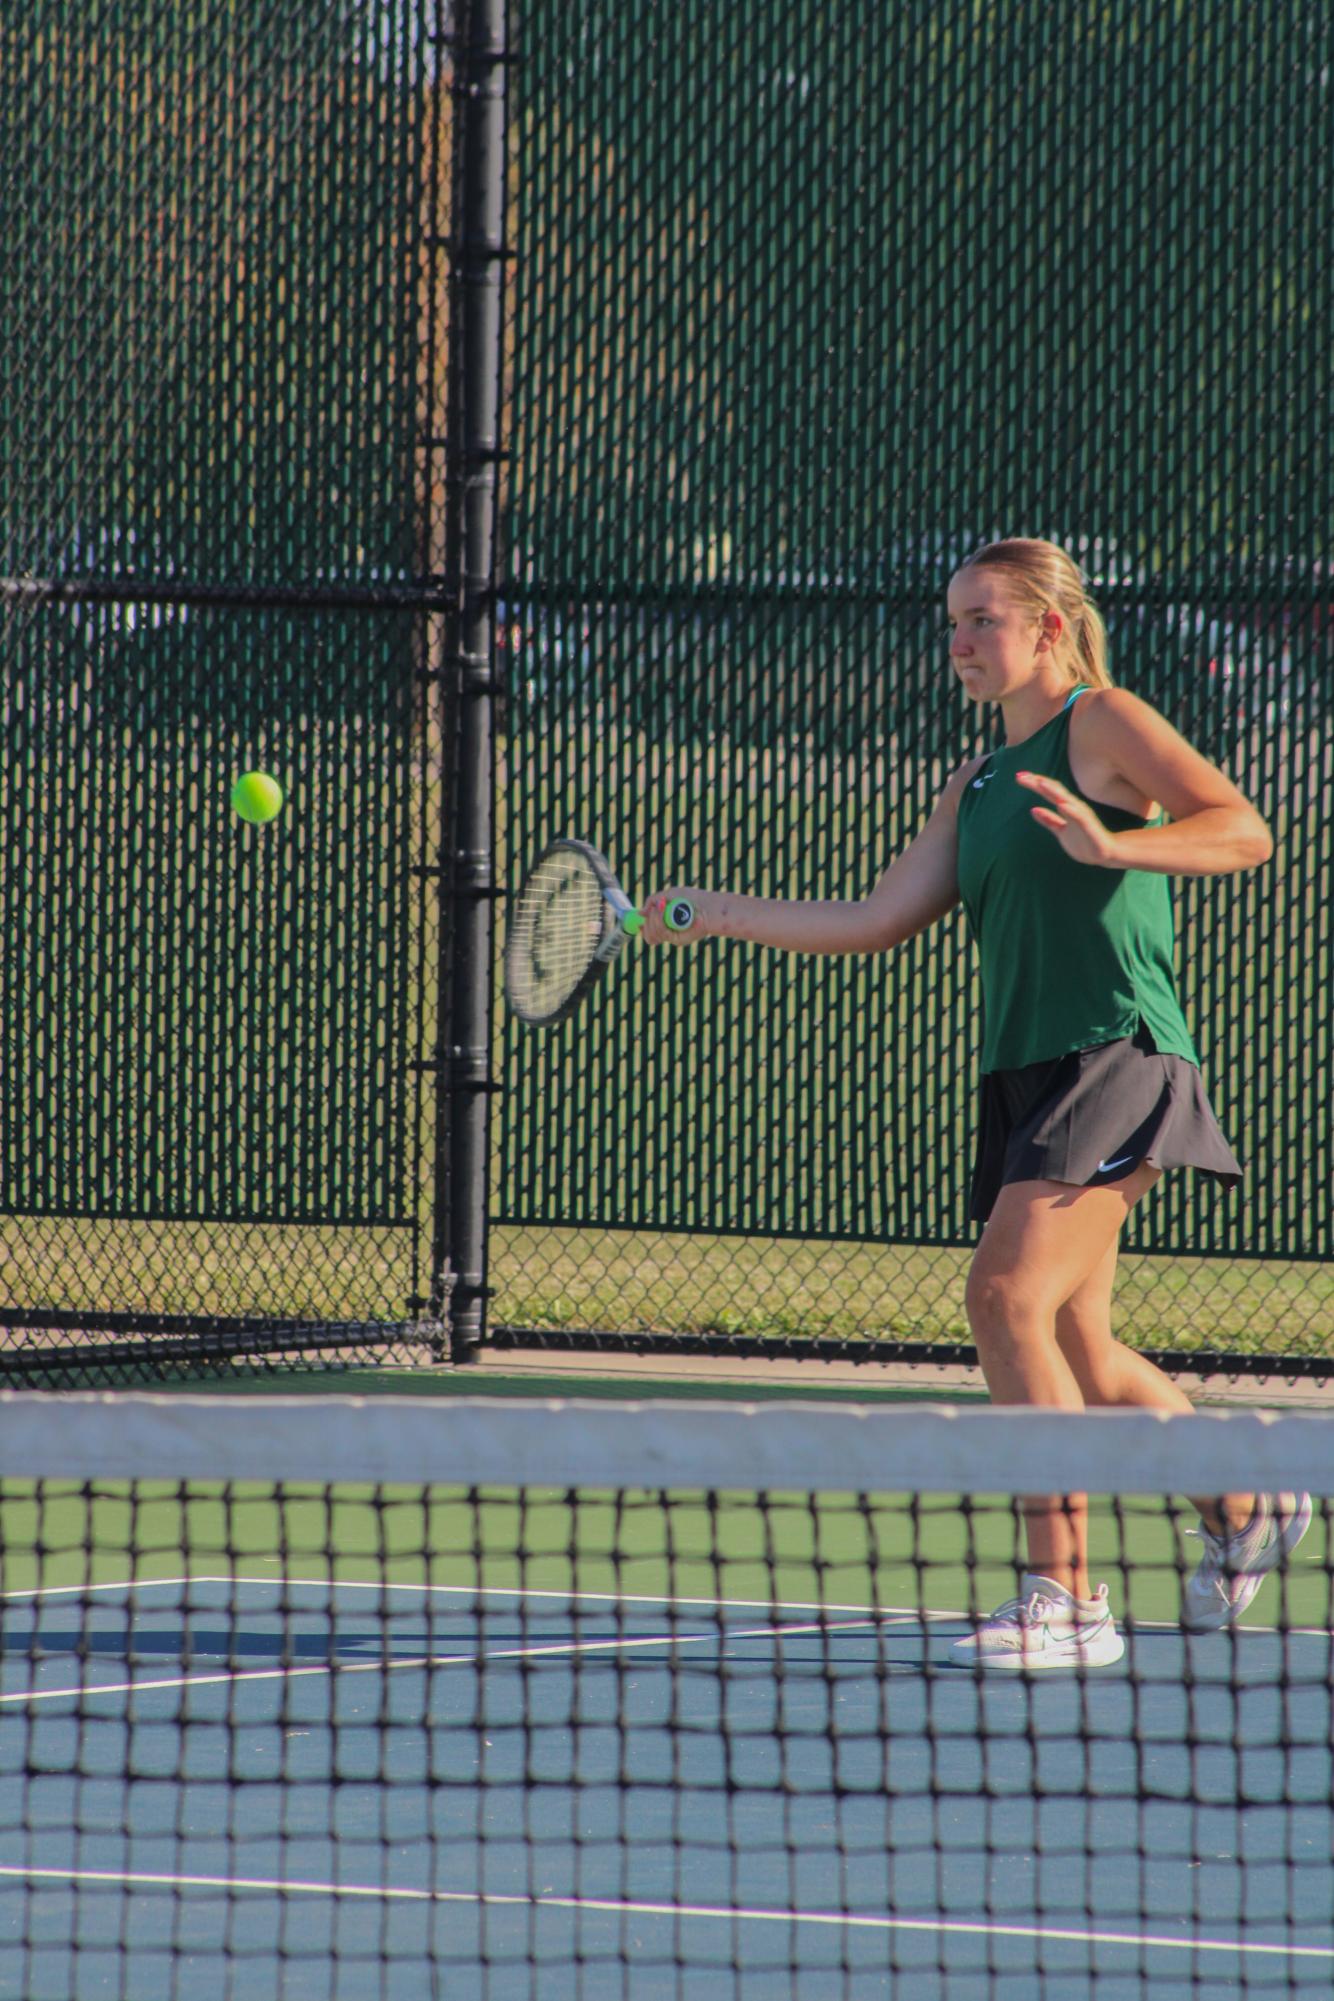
[1014, 1611]
[1214, 1560]
[1030, 1611]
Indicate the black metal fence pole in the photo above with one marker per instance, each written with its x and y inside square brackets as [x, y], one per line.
[472, 455]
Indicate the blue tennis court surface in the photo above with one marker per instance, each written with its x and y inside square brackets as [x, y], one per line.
[316, 1790]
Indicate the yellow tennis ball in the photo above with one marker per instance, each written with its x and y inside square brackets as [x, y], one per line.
[257, 797]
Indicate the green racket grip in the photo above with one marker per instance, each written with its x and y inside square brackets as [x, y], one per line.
[679, 915]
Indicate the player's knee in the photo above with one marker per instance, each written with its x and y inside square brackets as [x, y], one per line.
[1004, 1306]
[1087, 1344]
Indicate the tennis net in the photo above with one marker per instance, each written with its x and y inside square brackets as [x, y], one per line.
[485, 1698]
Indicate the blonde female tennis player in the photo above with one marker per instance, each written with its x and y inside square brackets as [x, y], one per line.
[1059, 846]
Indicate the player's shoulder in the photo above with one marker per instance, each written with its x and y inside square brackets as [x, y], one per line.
[1120, 729]
[1101, 709]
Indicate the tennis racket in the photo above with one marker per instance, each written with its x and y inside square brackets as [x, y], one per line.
[569, 920]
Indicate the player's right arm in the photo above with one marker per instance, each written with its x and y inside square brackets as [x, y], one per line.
[916, 890]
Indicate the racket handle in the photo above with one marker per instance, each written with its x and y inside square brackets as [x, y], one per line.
[679, 915]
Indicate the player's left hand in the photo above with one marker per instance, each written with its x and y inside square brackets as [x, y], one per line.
[1073, 822]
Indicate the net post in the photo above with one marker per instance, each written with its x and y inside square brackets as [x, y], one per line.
[475, 261]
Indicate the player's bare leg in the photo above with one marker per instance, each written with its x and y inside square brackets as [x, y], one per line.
[1042, 1244]
[1109, 1373]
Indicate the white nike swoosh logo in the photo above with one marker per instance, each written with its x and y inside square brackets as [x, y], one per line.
[978, 783]
[1106, 1166]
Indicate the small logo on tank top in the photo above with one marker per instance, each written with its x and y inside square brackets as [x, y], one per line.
[978, 783]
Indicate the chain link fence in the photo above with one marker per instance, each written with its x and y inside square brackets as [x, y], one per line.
[805, 304]
[801, 305]
[222, 498]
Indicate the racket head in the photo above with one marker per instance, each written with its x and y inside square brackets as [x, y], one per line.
[565, 925]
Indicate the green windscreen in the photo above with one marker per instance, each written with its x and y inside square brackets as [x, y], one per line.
[806, 303]
[214, 335]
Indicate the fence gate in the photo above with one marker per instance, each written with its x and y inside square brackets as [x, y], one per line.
[225, 536]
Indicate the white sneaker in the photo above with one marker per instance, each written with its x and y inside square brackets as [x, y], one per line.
[1233, 1567]
[1045, 1627]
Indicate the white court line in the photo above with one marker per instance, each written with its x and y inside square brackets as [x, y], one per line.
[135, 1586]
[624, 1907]
[884, 1615]
[553, 1649]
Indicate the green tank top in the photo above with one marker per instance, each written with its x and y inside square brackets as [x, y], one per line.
[1072, 956]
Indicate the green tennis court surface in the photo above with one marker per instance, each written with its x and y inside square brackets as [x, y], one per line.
[830, 1548]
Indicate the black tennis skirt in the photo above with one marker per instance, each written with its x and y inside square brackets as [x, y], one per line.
[1091, 1117]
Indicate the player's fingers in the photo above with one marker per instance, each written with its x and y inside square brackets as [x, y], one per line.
[1055, 795]
[1062, 807]
[656, 929]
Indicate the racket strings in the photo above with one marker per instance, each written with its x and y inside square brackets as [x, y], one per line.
[555, 932]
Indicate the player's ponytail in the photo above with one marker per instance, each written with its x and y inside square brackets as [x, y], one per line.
[1043, 577]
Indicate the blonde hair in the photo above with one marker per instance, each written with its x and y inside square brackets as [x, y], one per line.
[1043, 578]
